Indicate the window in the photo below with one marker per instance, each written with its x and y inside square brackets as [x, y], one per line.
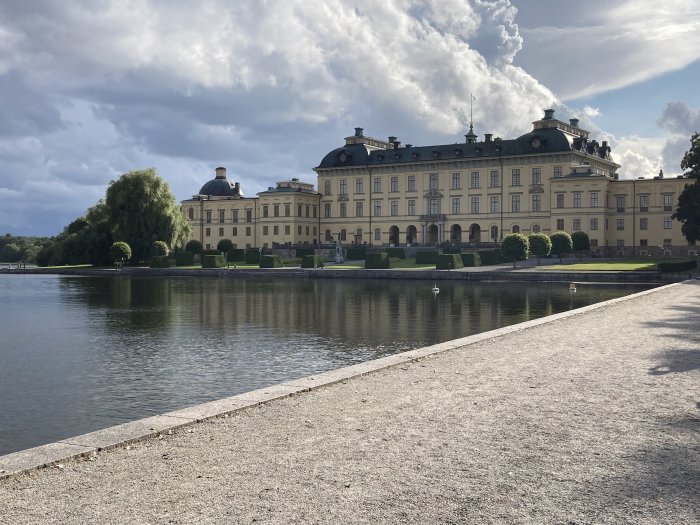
[668, 223]
[190, 213]
[394, 208]
[620, 201]
[495, 181]
[287, 229]
[343, 235]
[537, 203]
[515, 229]
[620, 243]
[308, 210]
[515, 180]
[299, 230]
[594, 200]
[494, 233]
[359, 212]
[594, 243]
[222, 216]
[643, 242]
[668, 202]
[315, 211]
[327, 235]
[327, 209]
[265, 230]
[560, 224]
[560, 200]
[557, 171]
[249, 216]
[411, 183]
[207, 232]
[299, 210]
[456, 205]
[475, 204]
[208, 216]
[394, 184]
[377, 234]
[433, 207]
[377, 208]
[433, 181]
[515, 203]
[343, 209]
[577, 199]
[307, 230]
[277, 230]
[287, 210]
[494, 204]
[576, 225]
[276, 210]
[234, 232]
[247, 231]
[359, 186]
[326, 187]
[535, 228]
[265, 211]
[667, 242]
[644, 203]
[620, 224]
[537, 175]
[235, 215]
[456, 182]
[411, 208]
[474, 179]
[343, 188]
[594, 223]
[377, 185]
[643, 223]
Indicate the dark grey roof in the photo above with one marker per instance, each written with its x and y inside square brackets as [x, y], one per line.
[550, 140]
[220, 187]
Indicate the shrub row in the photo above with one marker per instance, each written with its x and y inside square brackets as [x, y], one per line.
[397, 253]
[471, 259]
[448, 261]
[184, 259]
[451, 250]
[213, 261]
[236, 255]
[489, 257]
[160, 261]
[675, 267]
[311, 261]
[377, 261]
[356, 253]
[426, 257]
[301, 252]
[271, 261]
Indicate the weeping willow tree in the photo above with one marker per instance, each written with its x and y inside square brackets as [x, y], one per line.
[142, 210]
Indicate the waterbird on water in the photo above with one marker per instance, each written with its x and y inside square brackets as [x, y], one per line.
[436, 290]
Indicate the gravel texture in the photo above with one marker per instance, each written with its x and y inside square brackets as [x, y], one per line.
[590, 419]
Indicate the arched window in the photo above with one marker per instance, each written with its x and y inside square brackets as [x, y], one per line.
[377, 234]
[190, 214]
[343, 235]
[535, 228]
[494, 233]
[515, 229]
[358, 236]
[327, 235]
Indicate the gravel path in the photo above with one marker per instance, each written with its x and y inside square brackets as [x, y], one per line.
[590, 419]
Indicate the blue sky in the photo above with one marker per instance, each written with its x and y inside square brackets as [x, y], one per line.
[93, 90]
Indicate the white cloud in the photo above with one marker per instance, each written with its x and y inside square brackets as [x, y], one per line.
[638, 156]
[591, 112]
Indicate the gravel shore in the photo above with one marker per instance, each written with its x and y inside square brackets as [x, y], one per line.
[590, 419]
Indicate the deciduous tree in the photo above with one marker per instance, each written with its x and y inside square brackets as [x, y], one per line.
[688, 211]
[561, 244]
[540, 245]
[580, 242]
[515, 247]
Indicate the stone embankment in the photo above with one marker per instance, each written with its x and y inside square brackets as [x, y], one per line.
[587, 417]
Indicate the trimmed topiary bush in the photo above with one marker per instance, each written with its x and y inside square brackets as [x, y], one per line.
[515, 247]
[448, 251]
[561, 244]
[677, 267]
[301, 252]
[470, 259]
[160, 248]
[213, 261]
[210, 251]
[161, 261]
[397, 253]
[120, 252]
[540, 245]
[224, 246]
[426, 257]
[184, 259]
[448, 261]
[236, 255]
[580, 242]
[311, 261]
[252, 255]
[489, 257]
[271, 261]
[194, 247]
[377, 261]
[356, 253]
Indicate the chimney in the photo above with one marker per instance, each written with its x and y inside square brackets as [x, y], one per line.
[237, 187]
[573, 122]
[548, 114]
[294, 179]
[397, 143]
[488, 137]
[358, 132]
[392, 140]
[604, 144]
[220, 173]
[661, 174]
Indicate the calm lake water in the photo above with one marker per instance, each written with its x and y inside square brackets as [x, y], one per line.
[82, 353]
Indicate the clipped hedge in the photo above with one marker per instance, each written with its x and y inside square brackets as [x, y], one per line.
[677, 267]
[356, 253]
[271, 261]
[160, 261]
[184, 259]
[489, 257]
[426, 257]
[236, 255]
[470, 259]
[252, 255]
[377, 261]
[311, 261]
[397, 253]
[211, 251]
[447, 251]
[448, 261]
[213, 261]
[301, 252]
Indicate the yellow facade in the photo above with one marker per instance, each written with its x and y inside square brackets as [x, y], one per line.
[382, 193]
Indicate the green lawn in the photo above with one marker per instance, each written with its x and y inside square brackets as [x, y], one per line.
[624, 265]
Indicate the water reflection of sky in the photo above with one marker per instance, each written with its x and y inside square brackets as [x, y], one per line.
[81, 353]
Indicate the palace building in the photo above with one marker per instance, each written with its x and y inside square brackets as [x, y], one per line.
[380, 193]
